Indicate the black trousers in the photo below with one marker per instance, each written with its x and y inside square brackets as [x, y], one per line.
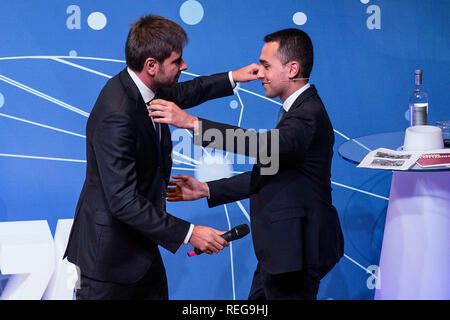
[297, 285]
[153, 286]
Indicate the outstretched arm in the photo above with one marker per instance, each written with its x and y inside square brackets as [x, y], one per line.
[167, 108]
[218, 192]
[191, 93]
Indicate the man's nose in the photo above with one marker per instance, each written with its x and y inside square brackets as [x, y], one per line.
[183, 66]
[260, 74]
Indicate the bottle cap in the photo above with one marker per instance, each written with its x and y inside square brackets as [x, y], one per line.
[418, 76]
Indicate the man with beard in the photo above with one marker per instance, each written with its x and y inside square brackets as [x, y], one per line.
[121, 214]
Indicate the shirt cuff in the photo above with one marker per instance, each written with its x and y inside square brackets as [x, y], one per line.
[189, 234]
[230, 76]
[196, 131]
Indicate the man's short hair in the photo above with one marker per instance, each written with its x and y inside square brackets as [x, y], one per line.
[294, 45]
[153, 36]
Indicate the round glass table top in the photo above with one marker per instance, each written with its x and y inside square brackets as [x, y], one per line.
[354, 150]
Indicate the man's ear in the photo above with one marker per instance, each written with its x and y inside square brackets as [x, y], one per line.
[151, 66]
[294, 70]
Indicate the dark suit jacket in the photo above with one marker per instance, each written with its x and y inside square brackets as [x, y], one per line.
[294, 224]
[120, 217]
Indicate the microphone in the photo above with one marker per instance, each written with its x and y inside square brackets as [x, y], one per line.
[236, 233]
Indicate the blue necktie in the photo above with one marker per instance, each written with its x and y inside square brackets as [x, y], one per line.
[281, 113]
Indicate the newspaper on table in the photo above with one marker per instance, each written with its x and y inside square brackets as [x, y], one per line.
[403, 160]
[387, 159]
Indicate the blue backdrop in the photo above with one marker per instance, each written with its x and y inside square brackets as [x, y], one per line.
[56, 55]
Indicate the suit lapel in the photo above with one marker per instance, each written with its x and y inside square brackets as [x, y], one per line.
[256, 177]
[311, 91]
[141, 109]
[166, 149]
[144, 117]
[164, 146]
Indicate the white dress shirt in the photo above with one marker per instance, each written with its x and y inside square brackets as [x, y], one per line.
[287, 104]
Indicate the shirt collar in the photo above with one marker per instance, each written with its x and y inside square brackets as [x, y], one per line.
[287, 104]
[146, 93]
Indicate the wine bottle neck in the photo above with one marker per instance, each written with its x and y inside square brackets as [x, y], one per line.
[418, 79]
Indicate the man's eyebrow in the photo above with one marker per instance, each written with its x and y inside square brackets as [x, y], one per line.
[262, 61]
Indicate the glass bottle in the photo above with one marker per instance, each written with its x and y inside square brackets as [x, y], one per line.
[418, 102]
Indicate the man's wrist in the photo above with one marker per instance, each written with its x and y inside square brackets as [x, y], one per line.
[189, 234]
[231, 77]
[206, 190]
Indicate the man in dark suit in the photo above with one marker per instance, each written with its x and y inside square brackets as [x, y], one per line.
[295, 228]
[121, 215]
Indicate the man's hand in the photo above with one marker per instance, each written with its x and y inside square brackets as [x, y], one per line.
[208, 239]
[168, 112]
[247, 73]
[187, 188]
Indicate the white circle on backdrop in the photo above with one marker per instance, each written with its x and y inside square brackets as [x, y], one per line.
[2, 100]
[365, 1]
[96, 20]
[233, 104]
[73, 53]
[191, 12]
[299, 18]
